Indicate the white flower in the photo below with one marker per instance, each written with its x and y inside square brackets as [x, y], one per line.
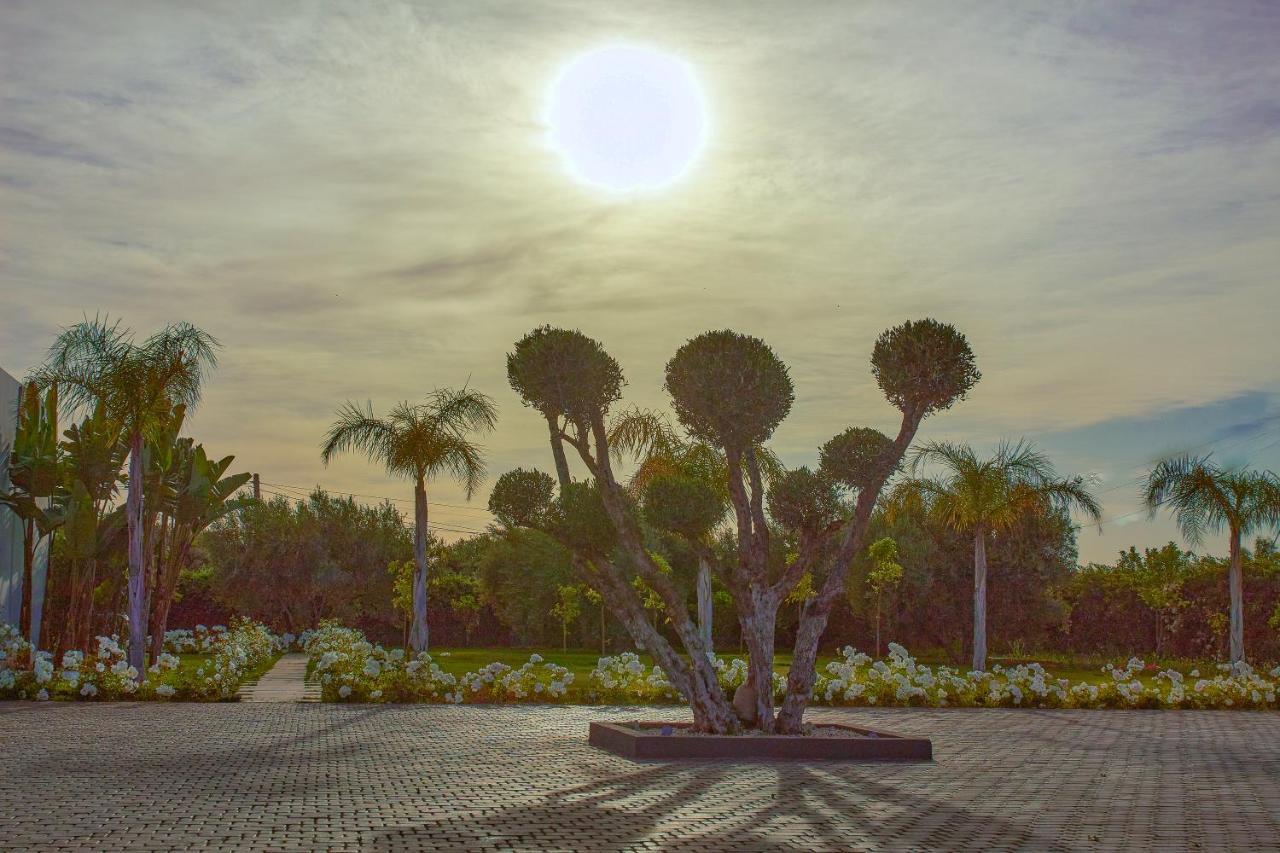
[88, 689]
[344, 691]
[165, 690]
[377, 694]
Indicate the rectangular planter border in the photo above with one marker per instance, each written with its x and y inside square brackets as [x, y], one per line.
[624, 740]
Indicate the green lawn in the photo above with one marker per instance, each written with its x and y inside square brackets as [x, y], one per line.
[459, 661]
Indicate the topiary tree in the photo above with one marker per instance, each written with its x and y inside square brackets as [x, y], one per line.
[922, 367]
[570, 380]
[730, 392]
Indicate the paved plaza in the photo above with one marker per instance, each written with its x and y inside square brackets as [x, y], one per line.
[321, 777]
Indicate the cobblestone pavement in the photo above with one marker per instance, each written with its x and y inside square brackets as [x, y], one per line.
[313, 777]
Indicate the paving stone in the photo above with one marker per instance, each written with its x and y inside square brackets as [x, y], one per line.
[291, 776]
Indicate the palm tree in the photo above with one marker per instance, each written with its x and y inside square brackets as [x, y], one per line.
[97, 362]
[419, 442]
[983, 496]
[1205, 498]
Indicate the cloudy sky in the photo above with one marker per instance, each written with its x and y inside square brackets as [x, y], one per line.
[360, 200]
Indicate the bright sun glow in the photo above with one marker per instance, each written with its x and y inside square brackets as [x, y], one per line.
[627, 118]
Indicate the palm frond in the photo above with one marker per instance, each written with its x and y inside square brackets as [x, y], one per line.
[359, 430]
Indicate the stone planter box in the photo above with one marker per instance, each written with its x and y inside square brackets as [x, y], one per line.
[644, 741]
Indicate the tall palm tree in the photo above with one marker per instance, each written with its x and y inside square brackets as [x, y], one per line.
[984, 496]
[97, 362]
[419, 441]
[1205, 498]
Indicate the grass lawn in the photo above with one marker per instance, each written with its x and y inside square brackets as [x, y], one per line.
[190, 662]
[459, 661]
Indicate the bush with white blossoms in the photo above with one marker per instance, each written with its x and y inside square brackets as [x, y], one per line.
[624, 679]
[105, 673]
[534, 681]
[350, 668]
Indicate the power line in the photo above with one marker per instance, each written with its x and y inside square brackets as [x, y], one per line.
[408, 525]
[308, 491]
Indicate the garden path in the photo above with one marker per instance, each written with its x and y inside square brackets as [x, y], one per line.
[284, 682]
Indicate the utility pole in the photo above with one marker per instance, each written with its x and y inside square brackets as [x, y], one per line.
[257, 488]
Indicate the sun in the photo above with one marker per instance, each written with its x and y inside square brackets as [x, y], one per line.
[627, 118]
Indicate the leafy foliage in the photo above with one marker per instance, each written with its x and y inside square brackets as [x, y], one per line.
[522, 498]
[563, 372]
[729, 389]
[804, 501]
[857, 457]
[924, 366]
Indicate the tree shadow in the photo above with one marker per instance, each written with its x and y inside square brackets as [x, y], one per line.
[711, 805]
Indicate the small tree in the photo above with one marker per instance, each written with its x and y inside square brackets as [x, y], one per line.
[884, 575]
[729, 391]
[598, 601]
[567, 608]
[1205, 498]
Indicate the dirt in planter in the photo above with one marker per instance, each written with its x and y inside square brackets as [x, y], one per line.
[805, 731]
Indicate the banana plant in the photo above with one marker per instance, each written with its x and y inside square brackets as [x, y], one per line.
[35, 477]
[94, 452]
[201, 493]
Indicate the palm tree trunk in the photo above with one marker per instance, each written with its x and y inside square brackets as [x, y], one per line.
[28, 580]
[979, 599]
[418, 632]
[705, 610]
[137, 566]
[1235, 585]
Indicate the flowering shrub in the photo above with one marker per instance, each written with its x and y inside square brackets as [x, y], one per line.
[350, 668]
[105, 673]
[536, 680]
[625, 680]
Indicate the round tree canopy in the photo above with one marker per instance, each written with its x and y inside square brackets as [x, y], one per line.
[729, 389]
[923, 366]
[563, 372]
[522, 498]
[682, 505]
[856, 456]
[579, 520]
[802, 500]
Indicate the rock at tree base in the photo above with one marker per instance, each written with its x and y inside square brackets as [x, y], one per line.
[744, 703]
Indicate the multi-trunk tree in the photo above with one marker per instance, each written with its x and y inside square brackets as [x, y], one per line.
[729, 391]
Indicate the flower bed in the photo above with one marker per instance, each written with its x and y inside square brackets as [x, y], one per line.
[351, 669]
[234, 654]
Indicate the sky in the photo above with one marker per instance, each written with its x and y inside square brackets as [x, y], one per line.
[361, 201]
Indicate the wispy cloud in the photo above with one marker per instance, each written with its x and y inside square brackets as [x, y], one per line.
[361, 203]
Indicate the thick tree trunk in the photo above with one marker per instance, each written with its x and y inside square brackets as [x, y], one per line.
[137, 564]
[804, 660]
[418, 633]
[759, 629]
[705, 609]
[979, 599]
[1235, 586]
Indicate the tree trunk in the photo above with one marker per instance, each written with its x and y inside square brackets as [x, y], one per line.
[28, 581]
[979, 599]
[1235, 585]
[557, 450]
[804, 661]
[705, 609]
[137, 564]
[759, 623]
[418, 633]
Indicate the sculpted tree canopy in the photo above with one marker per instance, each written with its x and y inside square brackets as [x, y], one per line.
[924, 366]
[729, 389]
[804, 501]
[682, 504]
[857, 457]
[522, 498]
[563, 372]
[579, 519]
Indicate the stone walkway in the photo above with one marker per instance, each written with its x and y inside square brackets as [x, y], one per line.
[284, 682]
[290, 776]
